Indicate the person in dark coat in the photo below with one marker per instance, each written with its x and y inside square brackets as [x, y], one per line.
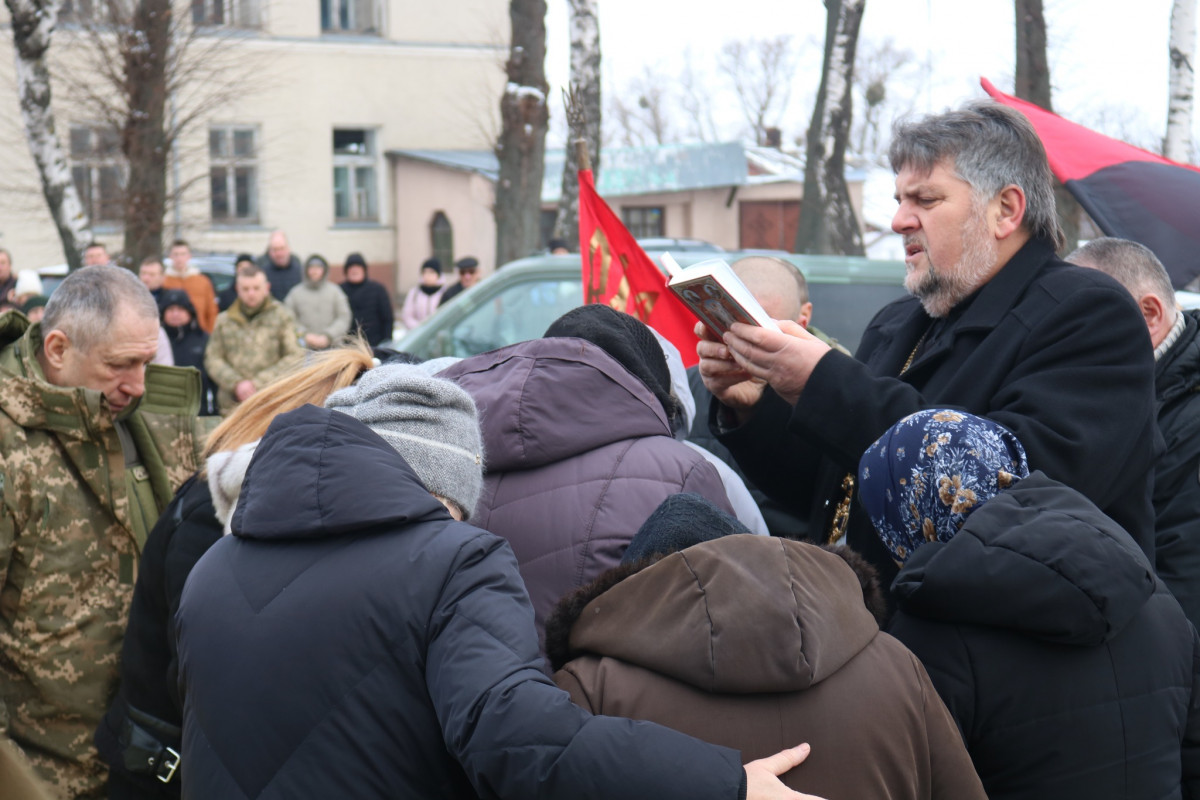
[369, 302]
[1069, 667]
[468, 276]
[146, 716]
[781, 646]
[363, 643]
[1174, 337]
[178, 317]
[998, 326]
[578, 431]
[281, 266]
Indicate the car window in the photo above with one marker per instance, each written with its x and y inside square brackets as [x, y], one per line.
[516, 313]
[842, 310]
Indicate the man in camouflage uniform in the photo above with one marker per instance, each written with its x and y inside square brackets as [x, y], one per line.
[93, 445]
[253, 343]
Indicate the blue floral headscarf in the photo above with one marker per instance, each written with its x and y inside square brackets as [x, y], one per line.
[922, 479]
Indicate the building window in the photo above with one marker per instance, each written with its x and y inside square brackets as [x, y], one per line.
[355, 197]
[98, 170]
[233, 174]
[643, 221]
[230, 13]
[441, 237]
[350, 16]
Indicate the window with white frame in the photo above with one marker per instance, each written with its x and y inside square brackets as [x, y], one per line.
[355, 195]
[227, 13]
[350, 16]
[98, 170]
[233, 174]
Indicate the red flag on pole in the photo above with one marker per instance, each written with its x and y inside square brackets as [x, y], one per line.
[617, 272]
[1130, 193]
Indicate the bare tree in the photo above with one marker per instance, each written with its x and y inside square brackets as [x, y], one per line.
[876, 69]
[584, 123]
[1177, 144]
[33, 23]
[760, 71]
[149, 74]
[827, 220]
[522, 146]
[645, 118]
[695, 101]
[1032, 83]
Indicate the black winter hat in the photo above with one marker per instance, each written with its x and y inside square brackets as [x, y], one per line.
[433, 264]
[354, 260]
[679, 522]
[470, 262]
[626, 339]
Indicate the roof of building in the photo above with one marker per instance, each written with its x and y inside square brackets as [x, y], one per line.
[628, 171]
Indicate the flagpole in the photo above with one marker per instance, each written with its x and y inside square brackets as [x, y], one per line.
[577, 121]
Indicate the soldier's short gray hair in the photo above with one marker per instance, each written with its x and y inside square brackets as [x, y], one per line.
[1133, 265]
[989, 146]
[85, 305]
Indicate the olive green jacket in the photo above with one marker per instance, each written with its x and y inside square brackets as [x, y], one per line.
[73, 518]
[259, 348]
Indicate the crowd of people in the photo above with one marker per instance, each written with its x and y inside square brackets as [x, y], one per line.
[955, 564]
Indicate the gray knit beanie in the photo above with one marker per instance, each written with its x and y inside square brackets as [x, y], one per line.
[429, 421]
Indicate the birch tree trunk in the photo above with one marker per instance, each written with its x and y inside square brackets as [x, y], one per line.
[585, 124]
[33, 23]
[827, 220]
[1177, 145]
[1032, 83]
[522, 146]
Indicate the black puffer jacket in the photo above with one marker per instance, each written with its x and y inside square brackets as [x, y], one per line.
[1177, 472]
[352, 640]
[1070, 669]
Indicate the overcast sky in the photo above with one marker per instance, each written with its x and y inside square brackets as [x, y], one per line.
[1108, 58]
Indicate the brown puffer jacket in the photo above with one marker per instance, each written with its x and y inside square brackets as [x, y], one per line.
[758, 644]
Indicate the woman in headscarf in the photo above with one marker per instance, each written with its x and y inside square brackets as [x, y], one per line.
[1069, 667]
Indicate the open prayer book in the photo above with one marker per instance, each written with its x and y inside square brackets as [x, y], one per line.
[715, 294]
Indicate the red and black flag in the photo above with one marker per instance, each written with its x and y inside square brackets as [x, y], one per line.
[1131, 193]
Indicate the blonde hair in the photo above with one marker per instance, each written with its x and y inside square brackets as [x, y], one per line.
[327, 372]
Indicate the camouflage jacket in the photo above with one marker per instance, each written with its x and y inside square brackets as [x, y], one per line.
[69, 545]
[260, 348]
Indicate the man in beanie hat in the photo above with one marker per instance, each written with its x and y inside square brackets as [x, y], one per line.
[370, 305]
[422, 300]
[468, 276]
[351, 639]
[35, 307]
[1014, 585]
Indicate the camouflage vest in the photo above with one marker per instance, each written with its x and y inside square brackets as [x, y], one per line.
[69, 543]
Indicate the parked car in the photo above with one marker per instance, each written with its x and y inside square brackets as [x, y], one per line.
[660, 243]
[219, 267]
[519, 301]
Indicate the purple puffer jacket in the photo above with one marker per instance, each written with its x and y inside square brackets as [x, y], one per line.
[578, 452]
